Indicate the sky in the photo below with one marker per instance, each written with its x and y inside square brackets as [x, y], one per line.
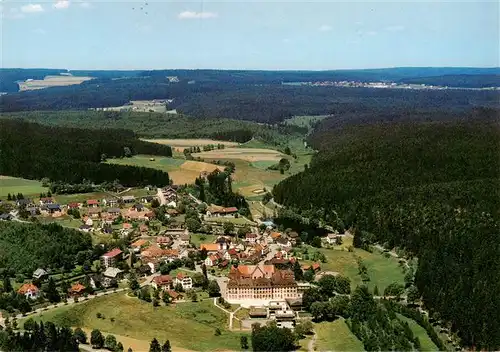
[274, 35]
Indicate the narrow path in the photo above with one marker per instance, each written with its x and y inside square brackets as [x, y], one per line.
[312, 342]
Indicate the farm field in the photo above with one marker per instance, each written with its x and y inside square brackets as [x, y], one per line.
[336, 336]
[140, 320]
[381, 270]
[418, 331]
[52, 81]
[179, 170]
[79, 197]
[14, 185]
[247, 154]
[181, 144]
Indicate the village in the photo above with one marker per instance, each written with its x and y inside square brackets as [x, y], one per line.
[247, 263]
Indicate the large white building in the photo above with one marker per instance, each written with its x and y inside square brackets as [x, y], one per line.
[260, 283]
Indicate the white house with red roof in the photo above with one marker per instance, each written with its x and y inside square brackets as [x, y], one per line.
[92, 203]
[185, 281]
[111, 258]
[29, 291]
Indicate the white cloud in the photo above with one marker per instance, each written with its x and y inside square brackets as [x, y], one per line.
[61, 4]
[189, 15]
[325, 28]
[395, 28]
[31, 8]
[13, 14]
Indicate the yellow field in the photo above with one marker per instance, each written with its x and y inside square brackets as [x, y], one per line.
[190, 170]
[181, 144]
[247, 154]
[52, 81]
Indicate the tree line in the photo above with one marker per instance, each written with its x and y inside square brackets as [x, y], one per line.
[428, 188]
[72, 155]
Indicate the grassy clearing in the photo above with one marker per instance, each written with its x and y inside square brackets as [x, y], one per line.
[382, 271]
[186, 143]
[263, 164]
[418, 331]
[248, 154]
[14, 185]
[79, 197]
[66, 221]
[197, 239]
[259, 210]
[304, 121]
[236, 221]
[336, 336]
[140, 320]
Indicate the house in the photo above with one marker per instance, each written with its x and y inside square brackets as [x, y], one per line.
[251, 238]
[113, 211]
[136, 246]
[85, 228]
[111, 258]
[315, 267]
[224, 264]
[127, 226]
[110, 202]
[94, 213]
[170, 194]
[147, 199]
[73, 205]
[175, 296]
[143, 270]
[128, 199]
[34, 210]
[216, 211]
[46, 200]
[223, 243]
[112, 274]
[226, 255]
[163, 282]
[211, 248]
[284, 242]
[29, 291]
[24, 202]
[172, 212]
[52, 208]
[76, 289]
[275, 235]
[92, 203]
[185, 281]
[332, 238]
[185, 238]
[138, 207]
[212, 259]
[40, 274]
[164, 240]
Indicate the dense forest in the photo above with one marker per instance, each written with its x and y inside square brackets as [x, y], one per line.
[268, 103]
[73, 155]
[156, 125]
[9, 76]
[430, 188]
[25, 247]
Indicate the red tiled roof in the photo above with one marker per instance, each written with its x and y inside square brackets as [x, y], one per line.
[210, 246]
[139, 243]
[181, 276]
[77, 288]
[92, 201]
[316, 266]
[173, 294]
[73, 205]
[113, 253]
[230, 210]
[162, 280]
[251, 235]
[126, 225]
[27, 287]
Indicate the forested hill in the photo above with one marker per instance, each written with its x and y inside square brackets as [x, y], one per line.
[428, 187]
[268, 103]
[72, 155]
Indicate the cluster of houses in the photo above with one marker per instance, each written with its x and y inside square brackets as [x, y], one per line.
[225, 250]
